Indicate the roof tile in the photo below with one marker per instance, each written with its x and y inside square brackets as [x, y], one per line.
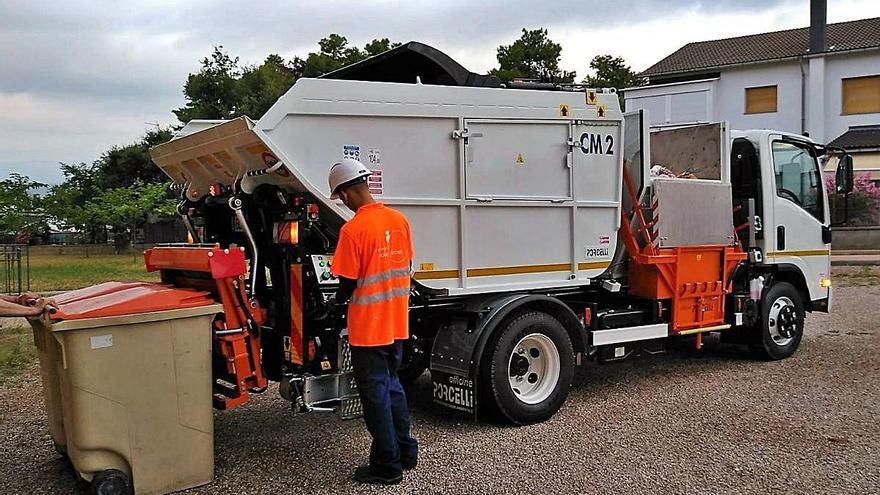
[706, 55]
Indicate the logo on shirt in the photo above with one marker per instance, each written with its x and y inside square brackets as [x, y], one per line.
[393, 247]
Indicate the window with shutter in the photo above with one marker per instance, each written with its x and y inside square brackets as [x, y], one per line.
[761, 99]
[861, 95]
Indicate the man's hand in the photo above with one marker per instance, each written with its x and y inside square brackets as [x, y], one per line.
[28, 298]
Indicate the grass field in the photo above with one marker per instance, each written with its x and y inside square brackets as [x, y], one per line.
[17, 352]
[53, 273]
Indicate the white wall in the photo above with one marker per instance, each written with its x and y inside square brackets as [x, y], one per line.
[724, 98]
[674, 103]
[837, 68]
[730, 98]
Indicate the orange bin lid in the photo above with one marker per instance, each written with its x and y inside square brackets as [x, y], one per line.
[125, 298]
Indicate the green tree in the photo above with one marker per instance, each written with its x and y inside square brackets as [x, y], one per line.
[533, 56]
[121, 166]
[260, 86]
[222, 89]
[611, 72]
[124, 209]
[19, 207]
[210, 93]
[378, 46]
[334, 53]
[65, 203]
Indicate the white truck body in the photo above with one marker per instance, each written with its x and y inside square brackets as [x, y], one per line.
[504, 189]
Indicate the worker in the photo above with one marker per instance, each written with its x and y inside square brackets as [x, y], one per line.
[27, 304]
[373, 261]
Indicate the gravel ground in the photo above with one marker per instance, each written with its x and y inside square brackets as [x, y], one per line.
[713, 421]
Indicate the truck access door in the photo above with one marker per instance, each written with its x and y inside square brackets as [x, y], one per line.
[799, 234]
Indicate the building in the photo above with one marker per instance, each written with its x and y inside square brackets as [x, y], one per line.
[822, 81]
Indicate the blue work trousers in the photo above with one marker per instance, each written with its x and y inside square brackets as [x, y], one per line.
[385, 409]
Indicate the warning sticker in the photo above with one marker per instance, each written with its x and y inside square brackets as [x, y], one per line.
[600, 111]
[564, 110]
[592, 98]
[375, 182]
[520, 159]
[352, 151]
[374, 156]
[426, 267]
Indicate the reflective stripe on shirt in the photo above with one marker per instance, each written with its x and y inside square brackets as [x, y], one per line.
[379, 297]
[382, 276]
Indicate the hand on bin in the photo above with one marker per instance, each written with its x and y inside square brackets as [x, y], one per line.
[27, 304]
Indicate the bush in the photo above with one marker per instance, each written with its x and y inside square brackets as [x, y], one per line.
[864, 201]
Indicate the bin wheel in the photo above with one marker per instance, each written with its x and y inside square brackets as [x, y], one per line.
[111, 482]
[61, 449]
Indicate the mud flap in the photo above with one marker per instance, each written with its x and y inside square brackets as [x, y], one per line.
[453, 391]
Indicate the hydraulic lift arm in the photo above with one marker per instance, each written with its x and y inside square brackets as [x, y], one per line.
[237, 336]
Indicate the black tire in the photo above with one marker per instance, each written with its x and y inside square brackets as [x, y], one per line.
[111, 482]
[781, 327]
[496, 389]
[61, 449]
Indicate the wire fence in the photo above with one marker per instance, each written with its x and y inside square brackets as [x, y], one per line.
[15, 259]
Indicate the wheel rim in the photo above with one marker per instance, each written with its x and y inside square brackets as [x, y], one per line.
[533, 368]
[782, 321]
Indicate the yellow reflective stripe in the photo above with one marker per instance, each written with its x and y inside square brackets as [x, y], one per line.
[509, 270]
[813, 252]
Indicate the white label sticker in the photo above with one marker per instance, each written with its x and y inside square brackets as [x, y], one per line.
[597, 251]
[374, 156]
[101, 341]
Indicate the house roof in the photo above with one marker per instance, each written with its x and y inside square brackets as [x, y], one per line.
[861, 136]
[791, 43]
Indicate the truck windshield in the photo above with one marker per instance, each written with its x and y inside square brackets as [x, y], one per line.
[797, 176]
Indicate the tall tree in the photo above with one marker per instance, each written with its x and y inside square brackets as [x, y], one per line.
[260, 86]
[121, 166]
[533, 56]
[210, 93]
[222, 89]
[611, 72]
[126, 208]
[19, 206]
[335, 52]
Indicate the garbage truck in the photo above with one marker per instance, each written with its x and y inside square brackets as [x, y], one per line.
[550, 230]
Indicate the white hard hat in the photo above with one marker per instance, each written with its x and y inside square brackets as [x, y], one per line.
[345, 171]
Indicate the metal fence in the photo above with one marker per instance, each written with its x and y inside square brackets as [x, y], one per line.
[16, 266]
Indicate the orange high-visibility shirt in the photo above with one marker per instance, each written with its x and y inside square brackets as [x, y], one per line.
[375, 248]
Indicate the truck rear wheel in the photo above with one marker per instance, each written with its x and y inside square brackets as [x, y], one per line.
[530, 368]
[781, 326]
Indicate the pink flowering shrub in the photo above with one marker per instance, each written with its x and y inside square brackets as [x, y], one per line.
[864, 201]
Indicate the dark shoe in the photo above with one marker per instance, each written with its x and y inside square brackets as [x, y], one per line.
[364, 475]
[409, 464]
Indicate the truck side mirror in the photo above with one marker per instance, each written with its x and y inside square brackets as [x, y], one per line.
[844, 175]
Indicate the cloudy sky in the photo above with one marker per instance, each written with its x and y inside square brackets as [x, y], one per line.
[79, 76]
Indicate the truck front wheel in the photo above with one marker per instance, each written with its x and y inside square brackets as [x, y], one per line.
[781, 326]
[530, 368]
